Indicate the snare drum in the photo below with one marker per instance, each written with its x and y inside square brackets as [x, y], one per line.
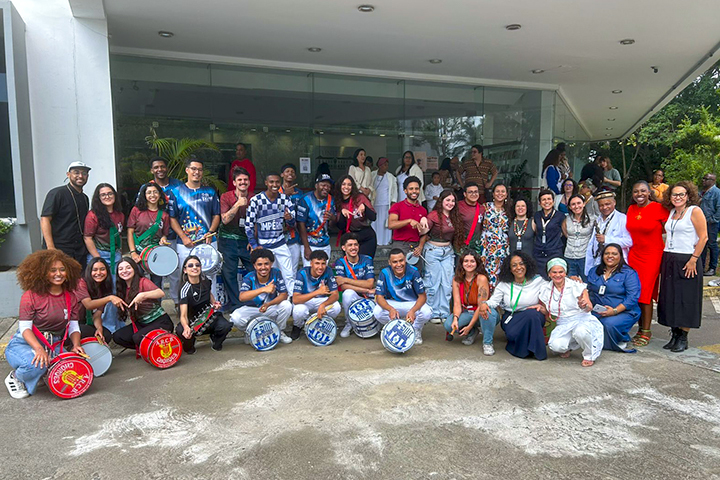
[262, 333]
[100, 355]
[320, 331]
[203, 321]
[159, 260]
[361, 317]
[160, 348]
[398, 336]
[69, 375]
[210, 258]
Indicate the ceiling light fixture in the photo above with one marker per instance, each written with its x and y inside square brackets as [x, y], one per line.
[352, 134]
[537, 70]
[513, 27]
[627, 41]
[411, 136]
[613, 108]
[571, 136]
[382, 134]
[366, 8]
[314, 49]
[287, 131]
[608, 134]
[611, 119]
[435, 60]
[608, 128]
[616, 91]
[253, 129]
[321, 132]
[166, 34]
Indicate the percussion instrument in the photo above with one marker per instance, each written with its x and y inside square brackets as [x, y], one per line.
[69, 375]
[160, 348]
[413, 259]
[210, 259]
[159, 260]
[320, 331]
[203, 320]
[362, 318]
[100, 355]
[262, 333]
[398, 336]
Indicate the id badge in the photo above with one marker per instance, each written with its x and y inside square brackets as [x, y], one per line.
[544, 240]
[519, 245]
[601, 290]
[670, 244]
[507, 320]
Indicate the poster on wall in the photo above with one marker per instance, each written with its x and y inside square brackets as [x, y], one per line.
[421, 160]
[305, 165]
[432, 164]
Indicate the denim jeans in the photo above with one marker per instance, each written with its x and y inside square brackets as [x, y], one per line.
[233, 250]
[576, 267]
[110, 318]
[106, 256]
[438, 278]
[712, 246]
[487, 326]
[19, 354]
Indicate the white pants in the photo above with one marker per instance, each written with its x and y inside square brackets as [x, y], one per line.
[277, 313]
[283, 262]
[296, 251]
[383, 234]
[348, 297]
[184, 252]
[422, 316]
[174, 278]
[303, 311]
[579, 331]
[327, 249]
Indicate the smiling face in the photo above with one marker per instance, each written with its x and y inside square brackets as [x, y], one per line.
[289, 176]
[547, 202]
[78, 177]
[322, 189]
[125, 271]
[57, 274]
[152, 195]
[576, 206]
[107, 197]
[557, 274]
[472, 194]
[242, 183]
[263, 267]
[606, 206]
[412, 191]
[568, 188]
[351, 248]
[500, 193]
[159, 169]
[361, 157]
[98, 272]
[611, 257]
[641, 194]
[193, 267]
[397, 263]
[272, 182]
[679, 197]
[448, 203]
[346, 187]
[517, 267]
[194, 172]
[520, 209]
[317, 267]
[469, 263]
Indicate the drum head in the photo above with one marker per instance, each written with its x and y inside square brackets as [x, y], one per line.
[411, 259]
[320, 331]
[398, 336]
[69, 376]
[262, 333]
[210, 258]
[100, 356]
[162, 261]
[361, 316]
[164, 350]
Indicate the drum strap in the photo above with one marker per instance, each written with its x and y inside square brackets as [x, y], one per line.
[150, 232]
[44, 340]
[474, 225]
[135, 330]
[113, 235]
[348, 220]
[317, 231]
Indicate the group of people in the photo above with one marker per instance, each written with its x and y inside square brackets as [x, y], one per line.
[567, 280]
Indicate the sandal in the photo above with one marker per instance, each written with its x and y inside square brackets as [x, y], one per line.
[642, 338]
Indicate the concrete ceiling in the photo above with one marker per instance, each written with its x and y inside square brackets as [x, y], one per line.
[576, 42]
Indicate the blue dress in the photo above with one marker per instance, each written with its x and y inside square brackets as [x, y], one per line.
[622, 287]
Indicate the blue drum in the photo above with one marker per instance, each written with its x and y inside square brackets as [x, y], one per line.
[262, 333]
[320, 331]
[398, 336]
[362, 318]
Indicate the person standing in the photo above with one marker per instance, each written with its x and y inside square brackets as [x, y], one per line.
[232, 239]
[472, 212]
[548, 232]
[521, 234]
[594, 171]
[551, 172]
[645, 220]
[433, 191]
[408, 168]
[194, 215]
[405, 216]
[612, 176]
[563, 164]
[479, 169]
[62, 219]
[148, 224]
[242, 161]
[103, 226]
[386, 194]
[354, 214]
[578, 229]
[681, 290]
[314, 212]
[361, 173]
[609, 228]
[494, 240]
[288, 172]
[710, 205]
[658, 185]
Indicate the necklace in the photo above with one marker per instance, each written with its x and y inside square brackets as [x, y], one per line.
[77, 211]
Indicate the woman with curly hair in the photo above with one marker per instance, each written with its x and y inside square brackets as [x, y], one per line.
[148, 224]
[355, 213]
[681, 289]
[470, 287]
[494, 238]
[143, 305]
[443, 233]
[103, 225]
[48, 309]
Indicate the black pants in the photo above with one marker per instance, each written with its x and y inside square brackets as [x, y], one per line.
[77, 251]
[367, 240]
[125, 337]
[88, 331]
[218, 331]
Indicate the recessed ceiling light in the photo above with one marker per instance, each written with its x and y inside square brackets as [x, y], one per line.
[513, 26]
[617, 91]
[537, 70]
[352, 134]
[314, 49]
[411, 136]
[611, 119]
[435, 60]
[366, 8]
[613, 108]
[608, 134]
[608, 128]
[165, 34]
[288, 130]
[627, 41]
[382, 134]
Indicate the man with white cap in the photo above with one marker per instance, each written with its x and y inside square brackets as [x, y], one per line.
[609, 228]
[63, 214]
[314, 211]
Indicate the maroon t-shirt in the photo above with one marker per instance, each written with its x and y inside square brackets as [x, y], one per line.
[441, 229]
[406, 211]
[142, 220]
[47, 312]
[148, 310]
[467, 212]
[101, 236]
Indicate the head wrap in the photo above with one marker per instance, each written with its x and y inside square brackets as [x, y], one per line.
[554, 262]
[604, 194]
[382, 161]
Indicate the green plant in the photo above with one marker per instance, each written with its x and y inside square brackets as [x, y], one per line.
[5, 226]
[517, 181]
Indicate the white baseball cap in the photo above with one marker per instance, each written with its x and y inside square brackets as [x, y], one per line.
[78, 165]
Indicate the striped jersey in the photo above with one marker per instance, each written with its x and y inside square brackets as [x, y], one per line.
[267, 215]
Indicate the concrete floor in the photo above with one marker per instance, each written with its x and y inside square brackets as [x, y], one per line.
[353, 410]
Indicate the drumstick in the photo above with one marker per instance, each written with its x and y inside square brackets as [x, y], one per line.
[205, 237]
[84, 355]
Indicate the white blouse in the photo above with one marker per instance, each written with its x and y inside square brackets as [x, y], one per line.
[529, 295]
[363, 178]
[681, 236]
[565, 302]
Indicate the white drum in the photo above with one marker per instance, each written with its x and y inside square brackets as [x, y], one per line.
[210, 258]
[361, 317]
[100, 355]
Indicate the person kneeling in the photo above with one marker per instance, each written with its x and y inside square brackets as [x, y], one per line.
[355, 276]
[195, 296]
[400, 292]
[568, 303]
[263, 294]
[315, 292]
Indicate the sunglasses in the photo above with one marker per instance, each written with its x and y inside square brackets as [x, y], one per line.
[193, 265]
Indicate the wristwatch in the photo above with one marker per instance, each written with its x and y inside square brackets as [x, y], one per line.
[615, 311]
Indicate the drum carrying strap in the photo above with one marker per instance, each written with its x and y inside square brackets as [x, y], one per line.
[114, 236]
[149, 233]
[135, 330]
[317, 231]
[44, 341]
[474, 225]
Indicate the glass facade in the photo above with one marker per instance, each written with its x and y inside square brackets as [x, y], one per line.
[284, 115]
[7, 190]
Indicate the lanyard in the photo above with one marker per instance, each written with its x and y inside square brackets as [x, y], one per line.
[545, 222]
[519, 234]
[600, 246]
[517, 300]
[349, 267]
[150, 232]
[41, 337]
[673, 225]
[317, 231]
[475, 222]
[552, 290]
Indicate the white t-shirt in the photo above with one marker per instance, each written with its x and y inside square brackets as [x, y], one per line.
[529, 295]
[401, 191]
[566, 302]
[382, 190]
[430, 192]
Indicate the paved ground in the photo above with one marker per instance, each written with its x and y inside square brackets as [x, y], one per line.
[353, 410]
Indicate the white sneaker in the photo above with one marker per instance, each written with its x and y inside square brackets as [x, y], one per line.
[284, 338]
[346, 330]
[488, 349]
[436, 320]
[470, 339]
[15, 387]
[418, 338]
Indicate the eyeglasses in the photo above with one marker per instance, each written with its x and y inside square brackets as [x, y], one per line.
[196, 169]
[107, 195]
[473, 192]
[193, 265]
[679, 195]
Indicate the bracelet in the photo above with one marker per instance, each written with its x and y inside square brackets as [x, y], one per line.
[695, 256]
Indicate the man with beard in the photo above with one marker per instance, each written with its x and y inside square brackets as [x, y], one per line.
[314, 211]
[288, 173]
[354, 274]
[242, 161]
[472, 211]
[404, 219]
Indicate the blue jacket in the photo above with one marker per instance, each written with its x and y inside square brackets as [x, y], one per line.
[710, 204]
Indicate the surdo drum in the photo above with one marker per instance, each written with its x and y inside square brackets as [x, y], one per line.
[160, 348]
[210, 259]
[398, 336]
[320, 331]
[100, 355]
[362, 319]
[69, 375]
[262, 333]
[159, 260]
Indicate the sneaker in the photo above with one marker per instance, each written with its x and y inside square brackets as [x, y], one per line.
[436, 320]
[296, 331]
[15, 387]
[346, 330]
[488, 349]
[418, 337]
[284, 338]
[190, 351]
[470, 339]
[216, 347]
[709, 273]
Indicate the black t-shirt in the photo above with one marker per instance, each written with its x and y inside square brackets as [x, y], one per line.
[68, 209]
[196, 297]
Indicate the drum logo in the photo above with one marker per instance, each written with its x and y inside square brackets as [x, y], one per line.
[322, 332]
[264, 336]
[71, 377]
[166, 351]
[399, 335]
[361, 311]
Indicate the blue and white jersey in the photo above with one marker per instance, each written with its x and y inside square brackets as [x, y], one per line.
[310, 211]
[405, 289]
[194, 209]
[291, 234]
[306, 283]
[250, 282]
[364, 268]
[269, 218]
